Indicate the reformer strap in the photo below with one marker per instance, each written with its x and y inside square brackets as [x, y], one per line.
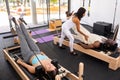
[83, 3]
[89, 8]
[10, 36]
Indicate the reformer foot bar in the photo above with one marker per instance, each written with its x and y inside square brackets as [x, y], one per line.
[25, 75]
[114, 63]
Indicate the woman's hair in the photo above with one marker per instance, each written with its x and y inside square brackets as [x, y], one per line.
[111, 45]
[80, 12]
[52, 74]
[68, 14]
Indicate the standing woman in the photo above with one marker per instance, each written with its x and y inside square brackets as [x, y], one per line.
[74, 21]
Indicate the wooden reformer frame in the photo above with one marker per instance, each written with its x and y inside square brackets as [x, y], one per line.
[22, 74]
[114, 63]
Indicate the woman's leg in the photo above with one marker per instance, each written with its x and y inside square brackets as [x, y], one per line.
[61, 39]
[29, 40]
[71, 40]
[26, 52]
[86, 46]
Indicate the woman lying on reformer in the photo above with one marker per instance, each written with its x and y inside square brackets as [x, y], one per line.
[95, 41]
[33, 60]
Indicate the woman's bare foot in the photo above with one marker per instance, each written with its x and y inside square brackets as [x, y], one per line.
[19, 61]
[19, 21]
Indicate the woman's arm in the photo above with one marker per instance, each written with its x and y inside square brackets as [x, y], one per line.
[77, 22]
[30, 68]
[89, 46]
[57, 77]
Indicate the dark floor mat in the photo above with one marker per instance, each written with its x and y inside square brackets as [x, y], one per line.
[99, 69]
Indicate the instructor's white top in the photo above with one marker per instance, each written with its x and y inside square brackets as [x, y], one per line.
[68, 24]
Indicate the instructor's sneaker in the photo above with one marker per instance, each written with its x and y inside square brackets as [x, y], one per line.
[61, 47]
[74, 53]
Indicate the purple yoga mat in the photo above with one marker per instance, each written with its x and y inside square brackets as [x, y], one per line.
[48, 38]
[39, 40]
[39, 32]
[45, 39]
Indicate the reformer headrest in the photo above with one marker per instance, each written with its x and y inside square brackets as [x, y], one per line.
[39, 71]
[55, 63]
[111, 45]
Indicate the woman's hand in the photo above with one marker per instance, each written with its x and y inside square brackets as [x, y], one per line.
[57, 77]
[86, 37]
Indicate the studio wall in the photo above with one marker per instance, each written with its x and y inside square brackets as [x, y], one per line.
[100, 10]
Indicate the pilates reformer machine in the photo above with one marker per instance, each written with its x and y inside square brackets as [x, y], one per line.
[25, 75]
[114, 62]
